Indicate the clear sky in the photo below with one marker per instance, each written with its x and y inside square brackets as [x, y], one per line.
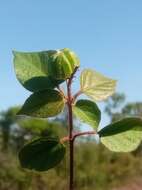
[106, 35]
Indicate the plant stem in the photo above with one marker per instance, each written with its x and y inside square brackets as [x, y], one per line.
[66, 138]
[70, 120]
[83, 133]
[71, 147]
[76, 95]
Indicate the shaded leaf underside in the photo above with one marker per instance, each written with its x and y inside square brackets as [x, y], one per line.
[41, 154]
[47, 103]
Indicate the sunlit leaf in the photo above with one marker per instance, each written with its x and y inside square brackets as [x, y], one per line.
[96, 86]
[47, 103]
[42, 154]
[32, 70]
[122, 136]
[88, 112]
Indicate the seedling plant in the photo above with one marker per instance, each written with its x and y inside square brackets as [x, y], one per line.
[43, 73]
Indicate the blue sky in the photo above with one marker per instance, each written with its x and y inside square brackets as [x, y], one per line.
[106, 35]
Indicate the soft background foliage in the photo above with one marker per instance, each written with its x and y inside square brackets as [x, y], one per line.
[107, 37]
[95, 166]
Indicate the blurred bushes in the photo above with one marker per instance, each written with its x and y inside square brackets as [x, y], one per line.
[96, 168]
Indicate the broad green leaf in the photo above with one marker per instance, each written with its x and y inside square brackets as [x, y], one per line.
[32, 70]
[42, 154]
[88, 112]
[122, 136]
[96, 86]
[42, 104]
[63, 63]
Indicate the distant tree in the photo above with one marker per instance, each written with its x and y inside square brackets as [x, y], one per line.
[133, 109]
[7, 118]
[116, 108]
[40, 127]
[25, 127]
[113, 107]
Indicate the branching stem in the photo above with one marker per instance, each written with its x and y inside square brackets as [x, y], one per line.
[76, 95]
[70, 120]
[66, 139]
[84, 133]
[61, 92]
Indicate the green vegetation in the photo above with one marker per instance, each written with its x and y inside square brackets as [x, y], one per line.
[51, 69]
[95, 167]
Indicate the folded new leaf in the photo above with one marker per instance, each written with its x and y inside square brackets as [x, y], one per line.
[88, 112]
[42, 154]
[96, 86]
[43, 104]
[62, 64]
[122, 136]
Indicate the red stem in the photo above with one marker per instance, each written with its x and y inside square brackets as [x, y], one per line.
[84, 133]
[65, 139]
[71, 146]
[76, 95]
[70, 120]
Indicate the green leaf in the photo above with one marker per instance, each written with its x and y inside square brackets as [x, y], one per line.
[122, 136]
[62, 64]
[42, 104]
[32, 70]
[96, 86]
[88, 112]
[42, 154]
